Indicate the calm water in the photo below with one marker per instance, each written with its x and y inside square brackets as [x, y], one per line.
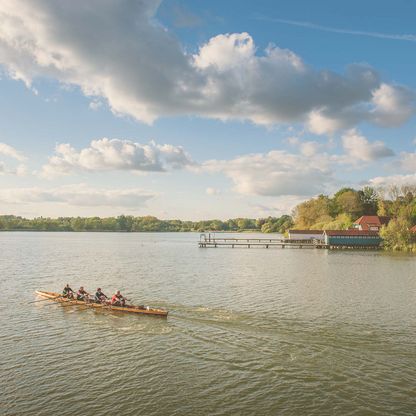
[250, 332]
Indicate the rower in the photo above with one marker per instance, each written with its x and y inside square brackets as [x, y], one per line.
[118, 299]
[68, 292]
[83, 294]
[100, 297]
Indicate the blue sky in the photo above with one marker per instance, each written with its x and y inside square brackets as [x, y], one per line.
[195, 109]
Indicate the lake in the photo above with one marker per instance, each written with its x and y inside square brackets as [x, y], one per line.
[250, 331]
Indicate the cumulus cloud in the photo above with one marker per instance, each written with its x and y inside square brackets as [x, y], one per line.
[118, 51]
[321, 122]
[309, 148]
[393, 180]
[10, 151]
[407, 162]
[359, 149]
[19, 170]
[275, 173]
[388, 106]
[279, 206]
[115, 154]
[393, 105]
[76, 195]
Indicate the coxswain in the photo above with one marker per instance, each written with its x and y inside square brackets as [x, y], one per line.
[68, 292]
[118, 299]
[83, 294]
[100, 297]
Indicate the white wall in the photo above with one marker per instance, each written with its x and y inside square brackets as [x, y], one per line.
[305, 236]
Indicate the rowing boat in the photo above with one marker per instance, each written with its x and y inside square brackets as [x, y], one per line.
[128, 308]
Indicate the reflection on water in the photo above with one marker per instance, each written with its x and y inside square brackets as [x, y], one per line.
[249, 331]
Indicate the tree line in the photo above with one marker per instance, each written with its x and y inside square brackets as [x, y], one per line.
[127, 223]
[322, 212]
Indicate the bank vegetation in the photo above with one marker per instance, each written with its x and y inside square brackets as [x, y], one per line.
[347, 205]
[320, 213]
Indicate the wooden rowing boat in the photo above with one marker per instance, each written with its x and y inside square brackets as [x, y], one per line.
[128, 309]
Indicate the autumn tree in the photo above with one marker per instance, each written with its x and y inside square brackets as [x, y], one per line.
[314, 211]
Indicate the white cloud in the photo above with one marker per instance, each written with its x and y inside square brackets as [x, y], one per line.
[118, 51]
[76, 195]
[10, 151]
[293, 140]
[393, 105]
[275, 173]
[226, 52]
[310, 148]
[279, 206]
[320, 123]
[407, 162]
[358, 148]
[114, 154]
[396, 180]
[19, 170]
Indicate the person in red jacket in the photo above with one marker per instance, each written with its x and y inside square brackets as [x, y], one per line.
[118, 299]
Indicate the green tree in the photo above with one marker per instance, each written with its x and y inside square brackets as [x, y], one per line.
[349, 202]
[397, 235]
[369, 200]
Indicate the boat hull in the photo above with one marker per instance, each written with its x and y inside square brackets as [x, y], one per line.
[132, 309]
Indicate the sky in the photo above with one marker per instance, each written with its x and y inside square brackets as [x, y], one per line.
[200, 110]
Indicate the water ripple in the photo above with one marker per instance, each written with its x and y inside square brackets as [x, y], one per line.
[249, 331]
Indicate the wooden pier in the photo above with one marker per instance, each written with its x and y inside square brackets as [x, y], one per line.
[211, 241]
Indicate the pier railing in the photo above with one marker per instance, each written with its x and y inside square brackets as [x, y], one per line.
[210, 240]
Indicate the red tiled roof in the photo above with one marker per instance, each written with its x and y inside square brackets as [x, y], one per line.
[367, 221]
[306, 231]
[351, 232]
[372, 219]
[413, 229]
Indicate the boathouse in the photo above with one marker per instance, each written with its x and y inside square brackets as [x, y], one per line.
[370, 223]
[352, 238]
[306, 234]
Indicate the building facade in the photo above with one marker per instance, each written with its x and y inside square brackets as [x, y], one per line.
[306, 234]
[370, 223]
[352, 238]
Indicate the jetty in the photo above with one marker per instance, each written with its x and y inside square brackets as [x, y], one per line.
[212, 241]
[328, 239]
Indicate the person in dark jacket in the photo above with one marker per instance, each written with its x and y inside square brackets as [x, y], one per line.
[83, 294]
[68, 292]
[100, 297]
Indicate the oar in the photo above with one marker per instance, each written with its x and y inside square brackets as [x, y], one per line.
[61, 303]
[43, 300]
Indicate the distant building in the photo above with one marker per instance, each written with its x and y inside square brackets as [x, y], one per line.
[413, 229]
[352, 238]
[370, 223]
[306, 234]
